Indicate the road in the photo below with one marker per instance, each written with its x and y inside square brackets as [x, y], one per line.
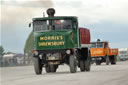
[99, 75]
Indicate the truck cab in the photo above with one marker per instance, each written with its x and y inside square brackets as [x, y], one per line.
[55, 33]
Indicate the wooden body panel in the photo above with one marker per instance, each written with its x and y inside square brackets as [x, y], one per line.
[98, 52]
[104, 51]
[113, 51]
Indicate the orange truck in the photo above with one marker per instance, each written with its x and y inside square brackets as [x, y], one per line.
[101, 52]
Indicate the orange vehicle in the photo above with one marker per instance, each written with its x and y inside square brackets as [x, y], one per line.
[101, 52]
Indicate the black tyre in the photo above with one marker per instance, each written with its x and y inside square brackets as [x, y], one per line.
[50, 68]
[37, 65]
[47, 69]
[98, 62]
[113, 61]
[82, 65]
[88, 63]
[107, 60]
[72, 64]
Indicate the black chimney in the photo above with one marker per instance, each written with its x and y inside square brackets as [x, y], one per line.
[51, 12]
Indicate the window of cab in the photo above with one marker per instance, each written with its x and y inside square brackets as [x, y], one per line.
[56, 24]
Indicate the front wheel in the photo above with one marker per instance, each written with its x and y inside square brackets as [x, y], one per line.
[37, 65]
[72, 64]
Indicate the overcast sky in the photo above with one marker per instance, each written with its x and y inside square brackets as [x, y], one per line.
[106, 19]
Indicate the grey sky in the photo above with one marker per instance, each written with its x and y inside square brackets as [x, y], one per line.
[106, 19]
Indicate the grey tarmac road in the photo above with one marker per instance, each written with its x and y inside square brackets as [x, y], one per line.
[99, 75]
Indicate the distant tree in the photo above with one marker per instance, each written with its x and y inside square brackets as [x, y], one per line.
[1, 50]
[29, 44]
[1, 54]
[9, 53]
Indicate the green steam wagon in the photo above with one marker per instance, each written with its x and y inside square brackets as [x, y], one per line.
[59, 40]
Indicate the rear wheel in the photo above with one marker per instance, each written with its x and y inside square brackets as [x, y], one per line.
[107, 60]
[98, 62]
[47, 69]
[37, 65]
[113, 61]
[82, 65]
[50, 68]
[72, 64]
[88, 63]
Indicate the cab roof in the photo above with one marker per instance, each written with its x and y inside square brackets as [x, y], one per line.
[100, 42]
[56, 17]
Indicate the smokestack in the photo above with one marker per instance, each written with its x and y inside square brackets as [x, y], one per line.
[43, 14]
[51, 12]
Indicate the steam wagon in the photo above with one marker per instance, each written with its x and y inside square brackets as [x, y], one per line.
[58, 40]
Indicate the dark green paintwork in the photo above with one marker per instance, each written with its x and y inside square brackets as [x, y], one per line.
[73, 18]
[69, 39]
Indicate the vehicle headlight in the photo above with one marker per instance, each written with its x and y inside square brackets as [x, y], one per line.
[68, 51]
[35, 52]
